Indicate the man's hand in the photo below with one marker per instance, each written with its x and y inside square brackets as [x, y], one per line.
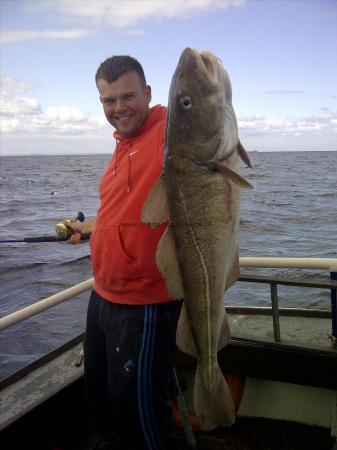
[80, 232]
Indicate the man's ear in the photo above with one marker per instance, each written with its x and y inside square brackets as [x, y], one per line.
[148, 93]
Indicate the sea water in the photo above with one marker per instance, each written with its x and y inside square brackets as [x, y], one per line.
[292, 211]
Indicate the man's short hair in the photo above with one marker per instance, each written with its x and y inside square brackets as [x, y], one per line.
[116, 66]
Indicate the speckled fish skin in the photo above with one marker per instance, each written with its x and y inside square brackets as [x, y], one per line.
[204, 210]
[203, 196]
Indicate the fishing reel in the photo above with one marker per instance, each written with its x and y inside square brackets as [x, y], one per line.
[62, 231]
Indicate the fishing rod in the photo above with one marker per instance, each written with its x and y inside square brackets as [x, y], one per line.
[181, 402]
[63, 233]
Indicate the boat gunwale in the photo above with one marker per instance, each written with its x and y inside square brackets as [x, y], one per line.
[48, 357]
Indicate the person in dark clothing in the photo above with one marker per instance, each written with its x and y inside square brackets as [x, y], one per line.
[131, 322]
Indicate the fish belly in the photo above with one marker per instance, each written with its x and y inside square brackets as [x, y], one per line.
[203, 208]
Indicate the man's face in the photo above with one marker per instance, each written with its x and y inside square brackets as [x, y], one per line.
[125, 102]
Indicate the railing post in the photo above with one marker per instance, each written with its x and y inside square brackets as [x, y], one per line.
[333, 276]
[275, 311]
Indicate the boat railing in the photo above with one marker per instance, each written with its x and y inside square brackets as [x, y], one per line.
[329, 264]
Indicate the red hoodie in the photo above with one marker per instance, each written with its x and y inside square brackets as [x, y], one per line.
[122, 248]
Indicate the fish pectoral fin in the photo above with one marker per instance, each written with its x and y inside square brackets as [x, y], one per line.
[243, 155]
[155, 209]
[185, 339]
[167, 262]
[233, 176]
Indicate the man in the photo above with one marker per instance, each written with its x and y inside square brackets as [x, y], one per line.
[131, 322]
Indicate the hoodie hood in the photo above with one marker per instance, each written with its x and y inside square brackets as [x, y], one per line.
[124, 143]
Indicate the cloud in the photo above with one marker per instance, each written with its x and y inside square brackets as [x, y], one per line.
[20, 105]
[284, 92]
[120, 15]
[15, 102]
[13, 36]
[9, 85]
[27, 127]
[22, 114]
[310, 125]
[123, 17]
[63, 120]
[311, 133]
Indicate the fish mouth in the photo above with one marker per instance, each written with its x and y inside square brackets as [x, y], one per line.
[205, 61]
[210, 62]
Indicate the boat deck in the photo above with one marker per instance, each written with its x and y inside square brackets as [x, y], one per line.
[266, 434]
[45, 408]
[308, 332]
[34, 385]
[74, 432]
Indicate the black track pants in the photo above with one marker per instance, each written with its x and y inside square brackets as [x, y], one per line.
[129, 358]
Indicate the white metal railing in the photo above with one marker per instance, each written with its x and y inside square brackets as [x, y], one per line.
[290, 263]
[42, 305]
[329, 264]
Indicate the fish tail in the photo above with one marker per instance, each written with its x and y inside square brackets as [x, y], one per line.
[213, 405]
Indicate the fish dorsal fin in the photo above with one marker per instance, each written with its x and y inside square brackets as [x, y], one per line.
[167, 262]
[233, 176]
[185, 339]
[156, 209]
[243, 155]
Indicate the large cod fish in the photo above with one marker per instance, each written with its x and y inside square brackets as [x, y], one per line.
[199, 193]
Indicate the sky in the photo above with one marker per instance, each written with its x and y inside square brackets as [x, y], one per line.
[281, 57]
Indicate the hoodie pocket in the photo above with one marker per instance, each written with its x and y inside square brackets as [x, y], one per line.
[145, 246]
[110, 259]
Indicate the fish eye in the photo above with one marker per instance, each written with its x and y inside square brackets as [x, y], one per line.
[185, 102]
